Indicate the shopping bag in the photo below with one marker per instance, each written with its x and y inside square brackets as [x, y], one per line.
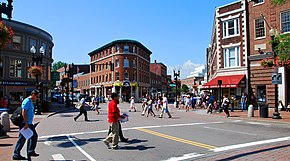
[78, 105]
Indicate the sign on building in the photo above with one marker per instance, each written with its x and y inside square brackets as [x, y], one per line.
[276, 78]
[55, 76]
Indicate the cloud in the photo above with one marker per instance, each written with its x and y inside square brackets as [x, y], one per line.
[185, 69]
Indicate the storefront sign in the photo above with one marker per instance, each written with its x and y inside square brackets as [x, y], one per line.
[55, 76]
[15, 83]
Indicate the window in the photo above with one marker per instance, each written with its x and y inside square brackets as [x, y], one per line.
[45, 48]
[258, 2]
[134, 76]
[16, 42]
[15, 68]
[126, 76]
[285, 21]
[126, 63]
[117, 76]
[117, 63]
[106, 65]
[260, 28]
[43, 67]
[93, 67]
[231, 28]
[32, 42]
[126, 49]
[261, 95]
[29, 64]
[134, 49]
[231, 57]
[117, 49]
[134, 63]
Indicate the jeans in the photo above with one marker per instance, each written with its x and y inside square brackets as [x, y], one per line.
[31, 143]
[82, 111]
[243, 106]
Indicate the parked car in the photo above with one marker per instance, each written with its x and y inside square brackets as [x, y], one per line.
[74, 98]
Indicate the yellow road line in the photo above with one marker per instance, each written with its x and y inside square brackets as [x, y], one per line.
[178, 139]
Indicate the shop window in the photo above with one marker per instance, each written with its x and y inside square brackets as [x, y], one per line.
[16, 42]
[261, 93]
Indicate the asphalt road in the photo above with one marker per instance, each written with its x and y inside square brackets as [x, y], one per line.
[185, 136]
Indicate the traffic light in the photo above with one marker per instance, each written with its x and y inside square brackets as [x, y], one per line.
[112, 66]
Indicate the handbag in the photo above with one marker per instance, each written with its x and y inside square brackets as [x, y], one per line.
[78, 105]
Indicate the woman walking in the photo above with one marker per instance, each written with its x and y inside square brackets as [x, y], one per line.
[225, 105]
[132, 105]
[149, 105]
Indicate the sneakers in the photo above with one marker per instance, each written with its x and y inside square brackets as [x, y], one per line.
[75, 119]
[115, 147]
[33, 154]
[107, 143]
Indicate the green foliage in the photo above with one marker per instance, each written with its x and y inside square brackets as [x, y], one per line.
[184, 88]
[57, 65]
[283, 47]
[279, 2]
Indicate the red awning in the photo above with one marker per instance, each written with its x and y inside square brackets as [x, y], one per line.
[230, 81]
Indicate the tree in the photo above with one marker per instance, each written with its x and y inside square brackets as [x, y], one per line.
[279, 2]
[184, 88]
[57, 65]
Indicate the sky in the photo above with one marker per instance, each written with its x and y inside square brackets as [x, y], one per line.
[176, 31]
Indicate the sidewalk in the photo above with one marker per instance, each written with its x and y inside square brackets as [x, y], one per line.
[7, 144]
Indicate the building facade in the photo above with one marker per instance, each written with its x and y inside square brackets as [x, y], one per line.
[16, 58]
[264, 16]
[122, 66]
[227, 53]
[158, 77]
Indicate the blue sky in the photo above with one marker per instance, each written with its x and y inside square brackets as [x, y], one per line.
[176, 31]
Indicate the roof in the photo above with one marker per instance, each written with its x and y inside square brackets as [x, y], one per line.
[229, 81]
[113, 43]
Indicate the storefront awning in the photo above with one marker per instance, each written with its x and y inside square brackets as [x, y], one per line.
[230, 81]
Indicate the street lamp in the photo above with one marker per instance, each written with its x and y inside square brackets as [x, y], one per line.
[7, 10]
[37, 58]
[176, 73]
[273, 33]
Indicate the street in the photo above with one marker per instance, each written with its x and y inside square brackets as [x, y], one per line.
[186, 136]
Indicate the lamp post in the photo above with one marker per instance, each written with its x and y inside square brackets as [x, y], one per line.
[220, 96]
[72, 87]
[273, 33]
[36, 59]
[176, 74]
[6, 9]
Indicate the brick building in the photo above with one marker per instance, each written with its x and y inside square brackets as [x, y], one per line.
[158, 77]
[83, 83]
[227, 54]
[131, 74]
[263, 17]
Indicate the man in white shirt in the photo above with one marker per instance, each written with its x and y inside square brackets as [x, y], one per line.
[165, 107]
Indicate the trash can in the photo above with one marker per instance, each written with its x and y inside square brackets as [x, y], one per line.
[264, 110]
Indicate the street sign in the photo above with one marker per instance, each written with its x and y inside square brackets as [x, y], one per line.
[55, 76]
[276, 78]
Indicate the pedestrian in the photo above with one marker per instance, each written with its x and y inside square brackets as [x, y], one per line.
[95, 103]
[28, 115]
[210, 104]
[113, 119]
[159, 102]
[121, 136]
[83, 110]
[132, 105]
[193, 102]
[233, 103]
[144, 105]
[225, 105]
[164, 107]
[244, 102]
[150, 108]
[187, 103]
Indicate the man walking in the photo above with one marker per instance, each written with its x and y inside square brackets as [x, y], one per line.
[244, 101]
[27, 114]
[164, 107]
[82, 110]
[113, 118]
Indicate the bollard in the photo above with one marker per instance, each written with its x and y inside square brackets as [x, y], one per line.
[5, 121]
[251, 111]
[175, 105]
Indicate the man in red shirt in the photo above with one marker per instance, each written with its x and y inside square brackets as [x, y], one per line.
[113, 117]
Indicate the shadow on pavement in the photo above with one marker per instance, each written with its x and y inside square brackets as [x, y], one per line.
[253, 152]
[2, 145]
[138, 147]
[66, 115]
[80, 142]
[135, 141]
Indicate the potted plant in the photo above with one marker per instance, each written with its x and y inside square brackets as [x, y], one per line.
[6, 34]
[35, 71]
[267, 63]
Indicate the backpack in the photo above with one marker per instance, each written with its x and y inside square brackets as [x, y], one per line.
[16, 117]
